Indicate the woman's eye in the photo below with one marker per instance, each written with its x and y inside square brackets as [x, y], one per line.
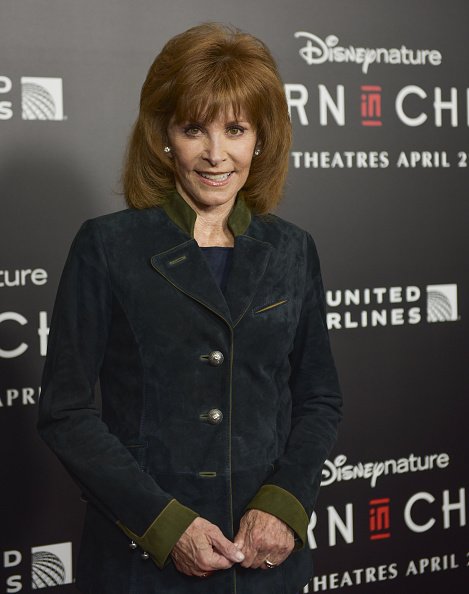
[235, 130]
[192, 130]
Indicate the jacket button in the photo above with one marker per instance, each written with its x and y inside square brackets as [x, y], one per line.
[132, 545]
[215, 416]
[216, 358]
[145, 556]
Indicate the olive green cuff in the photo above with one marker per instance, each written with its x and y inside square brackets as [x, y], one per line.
[164, 532]
[285, 506]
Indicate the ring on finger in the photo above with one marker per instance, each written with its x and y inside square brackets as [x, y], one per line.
[269, 564]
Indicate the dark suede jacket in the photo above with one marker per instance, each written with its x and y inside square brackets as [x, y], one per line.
[211, 404]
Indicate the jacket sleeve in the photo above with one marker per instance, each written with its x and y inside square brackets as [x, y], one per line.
[69, 420]
[292, 489]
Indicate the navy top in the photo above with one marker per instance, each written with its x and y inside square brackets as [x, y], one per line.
[219, 261]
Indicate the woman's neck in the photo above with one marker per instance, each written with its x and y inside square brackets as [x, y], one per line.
[210, 231]
[211, 224]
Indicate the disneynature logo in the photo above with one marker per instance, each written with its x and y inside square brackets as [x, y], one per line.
[341, 470]
[51, 565]
[391, 306]
[318, 51]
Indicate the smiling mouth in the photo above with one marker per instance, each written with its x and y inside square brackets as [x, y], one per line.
[216, 177]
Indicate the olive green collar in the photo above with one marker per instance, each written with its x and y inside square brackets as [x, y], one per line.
[179, 211]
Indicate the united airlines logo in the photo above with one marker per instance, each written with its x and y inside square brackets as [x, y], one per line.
[442, 303]
[41, 98]
[51, 565]
[391, 306]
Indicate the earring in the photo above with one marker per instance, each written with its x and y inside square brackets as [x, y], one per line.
[167, 149]
[257, 152]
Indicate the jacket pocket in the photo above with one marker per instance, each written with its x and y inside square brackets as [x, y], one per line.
[269, 306]
[139, 452]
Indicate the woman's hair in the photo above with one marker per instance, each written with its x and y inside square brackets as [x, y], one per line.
[201, 74]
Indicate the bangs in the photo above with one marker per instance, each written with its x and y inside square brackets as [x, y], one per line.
[218, 94]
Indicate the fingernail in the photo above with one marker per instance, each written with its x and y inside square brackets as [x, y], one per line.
[239, 556]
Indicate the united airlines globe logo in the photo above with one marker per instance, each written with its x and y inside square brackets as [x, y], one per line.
[37, 103]
[47, 570]
[51, 565]
[442, 303]
[439, 307]
[41, 98]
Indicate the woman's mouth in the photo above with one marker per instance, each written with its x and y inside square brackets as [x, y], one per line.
[214, 179]
[215, 176]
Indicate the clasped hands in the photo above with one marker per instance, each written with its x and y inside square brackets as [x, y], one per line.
[203, 549]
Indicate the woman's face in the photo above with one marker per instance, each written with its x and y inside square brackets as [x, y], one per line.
[212, 160]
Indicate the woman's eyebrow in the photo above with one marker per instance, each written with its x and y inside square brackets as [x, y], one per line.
[244, 121]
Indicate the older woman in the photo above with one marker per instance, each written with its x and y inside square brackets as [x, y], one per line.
[203, 317]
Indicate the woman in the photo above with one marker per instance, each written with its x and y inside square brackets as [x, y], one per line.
[203, 317]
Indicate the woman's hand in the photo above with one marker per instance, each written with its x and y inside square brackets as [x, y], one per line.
[263, 537]
[202, 549]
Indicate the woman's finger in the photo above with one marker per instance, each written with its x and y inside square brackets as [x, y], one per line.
[265, 537]
[225, 547]
[202, 549]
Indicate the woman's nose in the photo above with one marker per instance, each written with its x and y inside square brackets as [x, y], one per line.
[214, 150]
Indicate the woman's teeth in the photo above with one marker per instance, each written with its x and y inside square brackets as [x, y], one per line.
[217, 177]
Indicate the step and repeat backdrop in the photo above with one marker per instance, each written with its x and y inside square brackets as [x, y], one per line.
[379, 100]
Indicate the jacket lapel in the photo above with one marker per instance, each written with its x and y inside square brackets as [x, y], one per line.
[185, 266]
[250, 259]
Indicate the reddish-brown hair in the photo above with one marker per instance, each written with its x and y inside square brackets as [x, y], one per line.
[200, 74]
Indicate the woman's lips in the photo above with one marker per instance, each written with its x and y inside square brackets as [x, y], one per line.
[214, 179]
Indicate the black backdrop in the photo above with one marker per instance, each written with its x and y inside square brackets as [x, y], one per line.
[379, 168]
